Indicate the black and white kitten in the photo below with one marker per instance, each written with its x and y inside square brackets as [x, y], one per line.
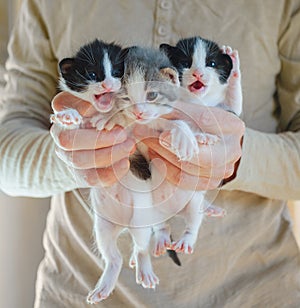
[209, 72]
[94, 75]
[212, 74]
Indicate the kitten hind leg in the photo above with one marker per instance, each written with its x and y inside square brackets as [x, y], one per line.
[193, 215]
[162, 240]
[141, 258]
[106, 235]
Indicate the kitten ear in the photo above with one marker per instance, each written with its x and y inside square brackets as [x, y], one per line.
[171, 75]
[127, 50]
[168, 49]
[124, 52]
[66, 65]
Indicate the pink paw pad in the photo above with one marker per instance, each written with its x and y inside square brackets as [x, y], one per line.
[215, 211]
[68, 118]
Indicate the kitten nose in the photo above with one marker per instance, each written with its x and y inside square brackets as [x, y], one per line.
[107, 85]
[138, 114]
[197, 74]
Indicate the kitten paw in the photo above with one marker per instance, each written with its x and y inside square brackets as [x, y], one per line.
[132, 261]
[147, 278]
[98, 294]
[234, 55]
[215, 211]
[162, 242]
[183, 142]
[98, 121]
[185, 244]
[207, 139]
[69, 118]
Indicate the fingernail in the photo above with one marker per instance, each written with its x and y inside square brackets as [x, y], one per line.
[165, 139]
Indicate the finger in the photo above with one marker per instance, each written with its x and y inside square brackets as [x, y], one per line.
[199, 170]
[103, 177]
[212, 120]
[100, 158]
[86, 139]
[163, 152]
[225, 150]
[180, 178]
[150, 137]
[65, 100]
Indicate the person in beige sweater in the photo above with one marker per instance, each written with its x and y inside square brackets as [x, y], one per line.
[250, 257]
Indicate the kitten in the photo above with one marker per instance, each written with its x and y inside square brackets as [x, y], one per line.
[209, 72]
[212, 74]
[144, 99]
[94, 75]
[147, 73]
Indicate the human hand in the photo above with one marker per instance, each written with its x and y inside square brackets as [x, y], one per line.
[95, 157]
[213, 163]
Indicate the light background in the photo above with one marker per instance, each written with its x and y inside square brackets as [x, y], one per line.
[22, 220]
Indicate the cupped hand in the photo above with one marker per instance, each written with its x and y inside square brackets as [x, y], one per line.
[97, 158]
[214, 163]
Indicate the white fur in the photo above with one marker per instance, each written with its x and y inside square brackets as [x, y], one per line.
[185, 138]
[214, 91]
[110, 217]
[109, 84]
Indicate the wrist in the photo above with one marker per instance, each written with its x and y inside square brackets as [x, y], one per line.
[236, 166]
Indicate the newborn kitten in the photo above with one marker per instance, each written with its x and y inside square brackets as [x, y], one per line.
[145, 101]
[93, 75]
[131, 197]
[212, 75]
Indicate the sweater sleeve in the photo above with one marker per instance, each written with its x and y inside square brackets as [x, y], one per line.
[270, 163]
[28, 163]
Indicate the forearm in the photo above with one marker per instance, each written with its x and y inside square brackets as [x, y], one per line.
[28, 165]
[269, 166]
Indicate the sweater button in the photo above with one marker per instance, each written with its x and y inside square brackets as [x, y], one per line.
[165, 5]
[162, 30]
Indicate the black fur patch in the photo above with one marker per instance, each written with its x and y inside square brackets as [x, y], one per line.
[181, 56]
[139, 166]
[87, 65]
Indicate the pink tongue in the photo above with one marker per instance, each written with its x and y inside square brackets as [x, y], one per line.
[103, 101]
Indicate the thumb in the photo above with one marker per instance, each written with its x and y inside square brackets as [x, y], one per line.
[65, 100]
[212, 120]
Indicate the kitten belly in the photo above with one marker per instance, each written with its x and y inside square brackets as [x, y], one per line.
[114, 204]
[168, 199]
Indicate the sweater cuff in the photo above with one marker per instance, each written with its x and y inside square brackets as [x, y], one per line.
[249, 170]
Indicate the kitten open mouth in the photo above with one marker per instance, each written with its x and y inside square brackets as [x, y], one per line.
[196, 86]
[103, 101]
